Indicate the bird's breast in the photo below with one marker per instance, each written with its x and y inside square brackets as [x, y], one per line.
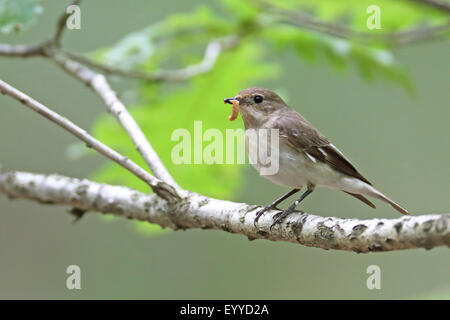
[290, 167]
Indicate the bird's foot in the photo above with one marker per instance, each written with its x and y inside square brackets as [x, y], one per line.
[281, 215]
[262, 211]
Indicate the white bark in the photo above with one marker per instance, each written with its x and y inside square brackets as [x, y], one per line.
[197, 211]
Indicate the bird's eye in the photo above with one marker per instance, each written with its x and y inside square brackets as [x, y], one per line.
[258, 99]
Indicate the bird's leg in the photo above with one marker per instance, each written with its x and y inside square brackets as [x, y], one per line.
[274, 204]
[288, 211]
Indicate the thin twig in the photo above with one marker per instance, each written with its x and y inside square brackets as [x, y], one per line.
[210, 57]
[403, 37]
[61, 25]
[370, 235]
[440, 5]
[20, 50]
[159, 187]
[99, 84]
[394, 38]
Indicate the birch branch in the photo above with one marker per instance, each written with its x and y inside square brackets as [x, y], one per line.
[159, 187]
[197, 211]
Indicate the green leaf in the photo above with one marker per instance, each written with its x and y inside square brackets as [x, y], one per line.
[200, 100]
[16, 15]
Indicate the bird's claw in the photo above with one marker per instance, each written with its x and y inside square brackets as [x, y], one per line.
[260, 213]
[281, 215]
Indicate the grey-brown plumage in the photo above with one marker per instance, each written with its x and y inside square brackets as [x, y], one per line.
[307, 158]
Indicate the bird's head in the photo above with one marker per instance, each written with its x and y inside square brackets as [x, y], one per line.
[255, 104]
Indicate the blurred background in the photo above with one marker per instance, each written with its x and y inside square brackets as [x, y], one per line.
[388, 110]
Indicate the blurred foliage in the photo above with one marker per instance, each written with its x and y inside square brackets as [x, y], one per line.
[138, 49]
[340, 54]
[180, 40]
[15, 15]
[395, 15]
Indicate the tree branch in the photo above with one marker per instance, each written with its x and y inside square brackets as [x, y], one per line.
[98, 83]
[20, 50]
[440, 5]
[308, 22]
[159, 187]
[100, 86]
[210, 57]
[197, 211]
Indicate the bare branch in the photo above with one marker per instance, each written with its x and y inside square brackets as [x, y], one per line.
[197, 211]
[210, 57]
[98, 83]
[20, 50]
[407, 36]
[440, 5]
[161, 188]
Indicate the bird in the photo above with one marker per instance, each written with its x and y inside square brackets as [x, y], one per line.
[306, 157]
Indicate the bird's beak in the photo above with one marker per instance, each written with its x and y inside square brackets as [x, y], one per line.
[230, 100]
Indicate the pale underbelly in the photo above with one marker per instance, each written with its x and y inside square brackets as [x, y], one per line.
[297, 170]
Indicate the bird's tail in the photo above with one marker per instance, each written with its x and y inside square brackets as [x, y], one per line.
[362, 198]
[377, 194]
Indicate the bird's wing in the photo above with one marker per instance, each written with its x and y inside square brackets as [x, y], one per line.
[300, 134]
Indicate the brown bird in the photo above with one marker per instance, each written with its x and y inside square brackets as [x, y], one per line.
[306, 157]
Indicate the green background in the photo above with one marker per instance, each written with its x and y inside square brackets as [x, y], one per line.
[399, 142]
